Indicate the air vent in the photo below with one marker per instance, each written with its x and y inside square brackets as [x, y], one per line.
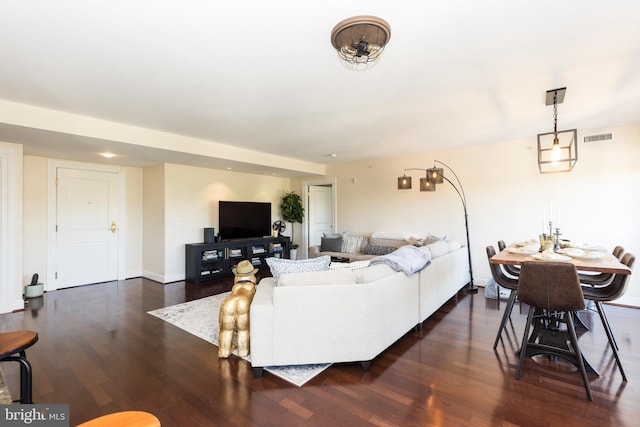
[603, 137]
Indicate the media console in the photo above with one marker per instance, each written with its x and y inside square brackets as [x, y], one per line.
[209, 261]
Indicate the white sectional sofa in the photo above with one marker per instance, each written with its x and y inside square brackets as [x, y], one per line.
[349, 316]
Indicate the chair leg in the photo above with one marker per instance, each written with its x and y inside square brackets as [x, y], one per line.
[525, 340]
[506, 315]
[612, 341]
[576, 348]
[25, 378]
[605, 322]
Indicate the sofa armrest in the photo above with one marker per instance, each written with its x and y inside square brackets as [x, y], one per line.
[314, 251]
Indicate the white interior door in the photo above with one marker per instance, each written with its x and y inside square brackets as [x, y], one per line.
[87, 227]
[320, 212]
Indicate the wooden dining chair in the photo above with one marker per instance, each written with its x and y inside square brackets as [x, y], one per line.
[552, 291]
[610, 292]
[13, 346]
[506, 282]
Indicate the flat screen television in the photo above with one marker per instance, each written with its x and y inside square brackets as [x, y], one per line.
[243, 220]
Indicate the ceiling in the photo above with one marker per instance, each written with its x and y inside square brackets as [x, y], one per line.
[262, 76]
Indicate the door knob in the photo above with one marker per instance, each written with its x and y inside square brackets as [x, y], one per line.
[113, 227]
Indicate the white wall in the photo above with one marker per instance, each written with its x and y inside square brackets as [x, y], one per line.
[153, 202]
[506, 196]
[190, 203]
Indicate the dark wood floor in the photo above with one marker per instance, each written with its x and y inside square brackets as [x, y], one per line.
[100, 352]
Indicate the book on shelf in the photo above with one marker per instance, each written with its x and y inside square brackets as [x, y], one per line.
[258, 249]
[256, 261]
[209, 255]
[235, 252]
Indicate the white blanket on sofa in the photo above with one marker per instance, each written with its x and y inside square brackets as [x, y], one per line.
[408, 259]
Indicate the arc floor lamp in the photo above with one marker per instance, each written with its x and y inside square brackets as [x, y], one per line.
[435, 176]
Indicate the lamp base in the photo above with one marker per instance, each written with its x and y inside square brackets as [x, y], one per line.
[470, 288]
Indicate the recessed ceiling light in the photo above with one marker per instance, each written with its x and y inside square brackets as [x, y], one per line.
[107, 155]
[332, 155]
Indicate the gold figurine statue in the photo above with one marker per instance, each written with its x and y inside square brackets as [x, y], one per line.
[234, 311]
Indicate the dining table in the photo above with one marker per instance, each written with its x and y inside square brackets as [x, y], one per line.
[602, 263]
[606, 264]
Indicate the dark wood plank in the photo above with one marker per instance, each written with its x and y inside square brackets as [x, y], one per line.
[100, 352]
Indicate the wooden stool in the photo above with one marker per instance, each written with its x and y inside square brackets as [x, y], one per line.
[12, 348]
[124, 419]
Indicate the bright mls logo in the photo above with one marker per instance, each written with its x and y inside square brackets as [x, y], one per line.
[34, 415]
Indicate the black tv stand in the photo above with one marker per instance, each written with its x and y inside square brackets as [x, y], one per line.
[209, 261]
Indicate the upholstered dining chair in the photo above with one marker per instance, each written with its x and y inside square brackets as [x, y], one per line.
[614, 290]
[506, 282]
[552, 291]
[601, 279]
[510, 269]
[13, 346]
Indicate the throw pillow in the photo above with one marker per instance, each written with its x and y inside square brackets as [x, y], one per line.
[331, 244]
[432, 239]
[378, 250]
[329, 277]
[280, 266]
[352, 244]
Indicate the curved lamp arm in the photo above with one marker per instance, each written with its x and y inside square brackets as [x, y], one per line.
[463, 198]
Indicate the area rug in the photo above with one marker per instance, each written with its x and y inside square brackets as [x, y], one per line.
[200, 318]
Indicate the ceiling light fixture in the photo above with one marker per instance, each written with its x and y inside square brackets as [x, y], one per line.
[557, 150]
[107, 155]
[360, 40]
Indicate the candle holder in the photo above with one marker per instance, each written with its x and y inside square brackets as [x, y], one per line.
[556, 244]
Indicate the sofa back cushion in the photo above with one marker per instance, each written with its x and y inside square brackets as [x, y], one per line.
[328, 277]
[373, 273]
[280, 266]
[396, 243]
[354, 265]
[438, 248]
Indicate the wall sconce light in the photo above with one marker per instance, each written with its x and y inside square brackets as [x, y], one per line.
[434, 176]
[557, 150]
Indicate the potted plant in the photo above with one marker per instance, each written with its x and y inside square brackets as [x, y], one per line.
[34, 289]
[292, 211]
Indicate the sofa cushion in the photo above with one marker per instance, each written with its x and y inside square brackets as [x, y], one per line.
[453, 245]
[328, 277]
[355, 265]
[280, 266]
[331, 244]
[438, 248]
[373, 273]
[396, 243]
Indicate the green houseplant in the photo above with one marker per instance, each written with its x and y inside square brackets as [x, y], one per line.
[292, 211]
